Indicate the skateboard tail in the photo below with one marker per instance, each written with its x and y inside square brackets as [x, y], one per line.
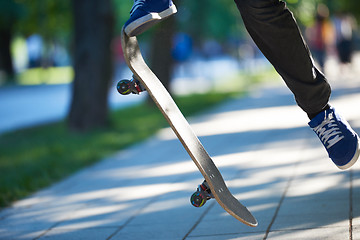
[183, 131]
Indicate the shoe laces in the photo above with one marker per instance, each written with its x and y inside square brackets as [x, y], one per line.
[137, 4]
[329, 131]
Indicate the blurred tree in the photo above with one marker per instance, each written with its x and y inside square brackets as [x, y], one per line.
[349, 6]
[48, 18]
[52, 20]
[218, 19]
[122, 13]
[161, 59]
[210, 19]
[93, 30]
[305, 10]
[10, 12]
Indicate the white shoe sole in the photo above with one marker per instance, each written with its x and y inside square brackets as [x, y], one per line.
[142, 24]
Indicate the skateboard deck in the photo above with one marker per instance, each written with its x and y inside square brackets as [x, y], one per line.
[183, 131]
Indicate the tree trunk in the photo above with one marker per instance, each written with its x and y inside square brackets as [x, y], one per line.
[6, 63]
[161, 58]
[93, 23]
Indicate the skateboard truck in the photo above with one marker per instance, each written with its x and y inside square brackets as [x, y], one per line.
[202, 194]
[126, 86]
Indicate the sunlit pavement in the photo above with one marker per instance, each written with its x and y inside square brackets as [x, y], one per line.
[271, 160]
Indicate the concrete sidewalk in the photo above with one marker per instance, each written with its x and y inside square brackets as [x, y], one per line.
[271, 160]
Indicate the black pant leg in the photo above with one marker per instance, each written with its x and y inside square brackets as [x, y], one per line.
[275, 31]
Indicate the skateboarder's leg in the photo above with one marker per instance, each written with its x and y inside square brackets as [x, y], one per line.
[146, 13]
[275, 31]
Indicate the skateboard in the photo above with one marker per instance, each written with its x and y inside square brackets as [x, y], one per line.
[213, 186]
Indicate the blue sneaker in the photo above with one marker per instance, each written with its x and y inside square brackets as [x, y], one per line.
[146, 13]
[340, 141]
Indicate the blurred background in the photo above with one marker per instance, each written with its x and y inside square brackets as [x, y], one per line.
[77, 42]
[60, 62]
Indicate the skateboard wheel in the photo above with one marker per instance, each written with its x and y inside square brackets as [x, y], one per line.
[124, 87]
[197, 199]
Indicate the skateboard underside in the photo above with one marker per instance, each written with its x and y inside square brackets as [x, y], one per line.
[183, 131]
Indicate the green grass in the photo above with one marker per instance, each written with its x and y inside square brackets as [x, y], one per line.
[34, 158]
[51, 75]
